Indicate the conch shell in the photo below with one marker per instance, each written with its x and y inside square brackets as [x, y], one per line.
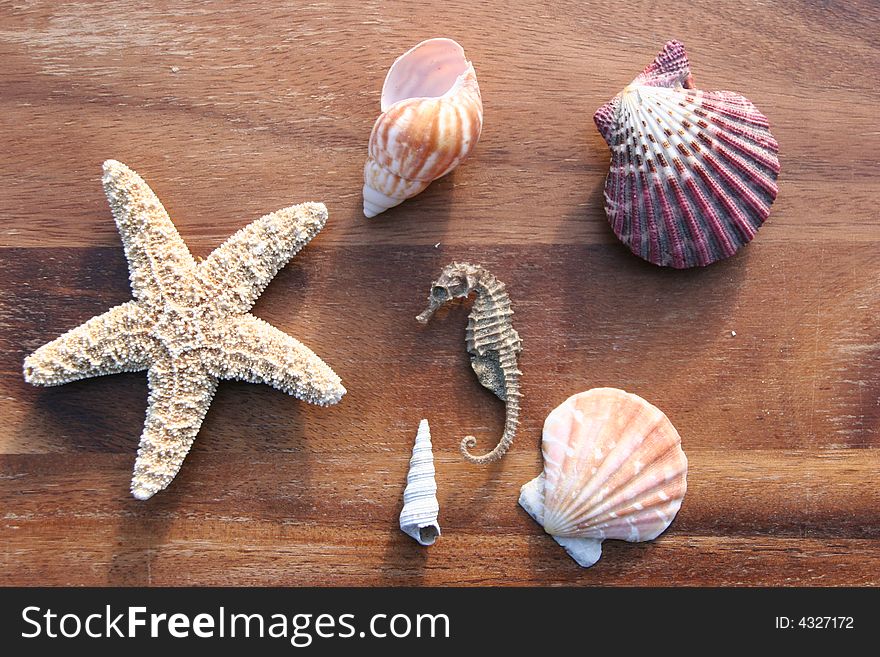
[432, 115]
[693, 173]
[613, 468]
[420, 506]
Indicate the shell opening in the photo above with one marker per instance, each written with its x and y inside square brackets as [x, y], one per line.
[431, 69]
[428, 534]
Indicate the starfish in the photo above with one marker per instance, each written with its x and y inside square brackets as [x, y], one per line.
[188, 324]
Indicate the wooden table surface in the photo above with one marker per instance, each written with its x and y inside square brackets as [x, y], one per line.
[231, 110]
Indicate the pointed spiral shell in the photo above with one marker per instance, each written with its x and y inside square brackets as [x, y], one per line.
[432, 116]
[420, 506]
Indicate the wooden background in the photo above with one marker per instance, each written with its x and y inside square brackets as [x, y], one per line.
[231, 110]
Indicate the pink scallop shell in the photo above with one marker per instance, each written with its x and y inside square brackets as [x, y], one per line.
[693, 173]
[613, 468]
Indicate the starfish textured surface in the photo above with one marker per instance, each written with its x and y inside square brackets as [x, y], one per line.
[188, 324]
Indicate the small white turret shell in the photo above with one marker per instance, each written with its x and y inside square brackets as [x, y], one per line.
[420, 506]
[432, 116]
[613, 468]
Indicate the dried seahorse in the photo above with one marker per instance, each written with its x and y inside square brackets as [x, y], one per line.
[491, 341]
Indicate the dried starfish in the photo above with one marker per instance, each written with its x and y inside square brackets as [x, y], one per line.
[189, 324]
[491, 341]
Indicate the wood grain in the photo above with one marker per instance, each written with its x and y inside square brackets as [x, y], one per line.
[231, 110]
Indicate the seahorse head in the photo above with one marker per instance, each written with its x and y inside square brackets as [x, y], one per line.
[457, 280]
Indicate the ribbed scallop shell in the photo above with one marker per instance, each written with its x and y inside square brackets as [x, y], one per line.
[613, 468]
[418, 518]
[693, 173]
[432, 115]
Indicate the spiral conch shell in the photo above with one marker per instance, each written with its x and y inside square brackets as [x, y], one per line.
[432, 115]
[613, 468]
[420, 506]
[693, 173]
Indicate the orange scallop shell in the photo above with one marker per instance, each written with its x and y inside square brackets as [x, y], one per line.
[613, 468]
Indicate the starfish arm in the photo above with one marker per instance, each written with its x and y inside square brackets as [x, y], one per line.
[255, 351]
[181, 390]
[238, 271]
[159, 264]
[117, 341]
